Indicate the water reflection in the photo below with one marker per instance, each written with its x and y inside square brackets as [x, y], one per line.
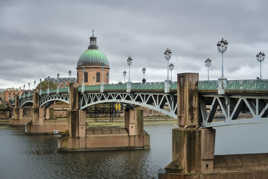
[36, 157]
[24, 156]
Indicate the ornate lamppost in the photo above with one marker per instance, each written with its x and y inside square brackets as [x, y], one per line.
[222, 47]
[143, 72]
[129, 62]
[83, 82]
[48, 78]
[102, 79]
[260, 58]
[171, 68]
[167, 55]
[58, 82]
[34, 83]
[124, 75]
[208, 65]
[40, 90]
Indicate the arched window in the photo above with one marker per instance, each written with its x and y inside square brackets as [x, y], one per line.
[107, 77]
[85, 77]
[98, 77]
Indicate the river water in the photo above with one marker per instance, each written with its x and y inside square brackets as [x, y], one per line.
[26, 157]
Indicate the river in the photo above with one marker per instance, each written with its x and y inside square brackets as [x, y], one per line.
[26, 157]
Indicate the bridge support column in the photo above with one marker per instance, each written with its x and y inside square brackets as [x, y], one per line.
[192, 146]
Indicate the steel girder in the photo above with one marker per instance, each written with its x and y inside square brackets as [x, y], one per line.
[161, 102]
[219, 110]
[63, 97]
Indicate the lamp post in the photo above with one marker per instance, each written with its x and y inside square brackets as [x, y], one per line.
[222, 47]
[129, 62]
[83, 82]
[143, 72]
[167, 55]
[34, 83]
[124, 75]
[208, 65]
[171, 68]
[102, 79]
[40, 86]
[70, 73]
[48, 85]
[260, 58]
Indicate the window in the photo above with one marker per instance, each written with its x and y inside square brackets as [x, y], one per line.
[85, 77]
[107, 77]
[98, 77]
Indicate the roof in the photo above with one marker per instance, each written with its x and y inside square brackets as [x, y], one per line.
[93, 57]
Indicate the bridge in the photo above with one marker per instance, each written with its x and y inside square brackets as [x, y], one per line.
[245, 96]
[196, 104]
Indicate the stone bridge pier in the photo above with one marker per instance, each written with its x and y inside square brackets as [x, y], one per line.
[39, 124]
[82, 138]
[20, 116]
[193, 146]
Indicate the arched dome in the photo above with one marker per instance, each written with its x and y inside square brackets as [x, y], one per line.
[93, 57]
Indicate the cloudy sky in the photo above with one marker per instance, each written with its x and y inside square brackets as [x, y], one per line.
[43, 38]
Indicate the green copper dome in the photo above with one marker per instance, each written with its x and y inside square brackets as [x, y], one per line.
[93, 57]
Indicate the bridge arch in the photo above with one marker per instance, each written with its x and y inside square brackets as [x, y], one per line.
[54, 97]
[26, 102]
[151, 101]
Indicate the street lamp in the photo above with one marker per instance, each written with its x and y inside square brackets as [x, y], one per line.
[260, 58]
[34, 83]
[208, 65]
[129, 62]
[102, 79]
[83, 82]
[171, 68]
[40, 86]
[70, 73]
[48, 85]
[167, 55]
[143, 72]
[124, 74]
[222, 47]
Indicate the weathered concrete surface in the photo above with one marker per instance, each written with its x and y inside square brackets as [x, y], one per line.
[132, 136]
[47, 127]
[20, 122]
[244, 166]
[105, 139]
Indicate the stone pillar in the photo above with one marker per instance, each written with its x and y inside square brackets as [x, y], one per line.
[20, 113]
[134, 121]
[36, 106]
[42, 114]
[16, 108]
[76, 117]
[192, 146]
[187, 94]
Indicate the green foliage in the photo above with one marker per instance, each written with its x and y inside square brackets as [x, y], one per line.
[44, 85]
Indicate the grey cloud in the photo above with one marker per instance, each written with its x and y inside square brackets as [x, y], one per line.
[41, 38]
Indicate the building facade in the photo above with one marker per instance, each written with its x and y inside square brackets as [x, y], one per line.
[93, 66]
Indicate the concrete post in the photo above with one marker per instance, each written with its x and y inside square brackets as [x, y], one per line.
[192, 147]
[76, 117]
[134, 121]
[187, 94]
[35, 107]
[16, 108]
